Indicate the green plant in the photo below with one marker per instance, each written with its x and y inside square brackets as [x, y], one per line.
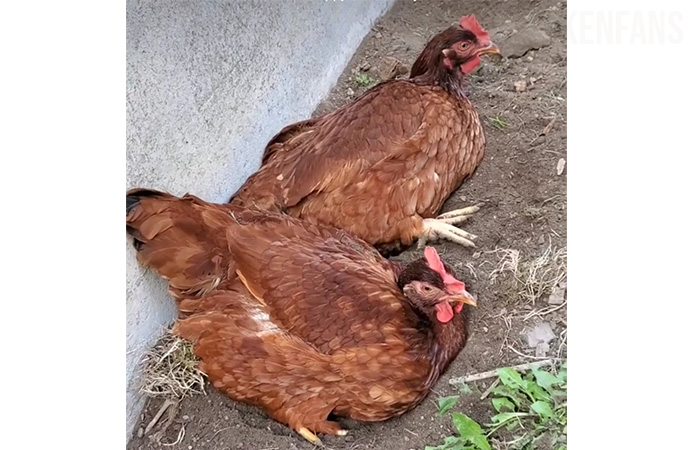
[363, 79]
[498, 122]
[529, 407]
[445, 404]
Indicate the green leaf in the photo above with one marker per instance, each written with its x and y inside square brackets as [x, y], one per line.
[545, 379]
[481, 442]
[466, 426]
[453, 443]
[445, 404]
[534, 391]
[450, 444]
[502, 402]
[504, 417]
[470, 431]
[505, 391]
[543, 409]
[510, 378]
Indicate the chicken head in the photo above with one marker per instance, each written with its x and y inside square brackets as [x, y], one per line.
[431, 287]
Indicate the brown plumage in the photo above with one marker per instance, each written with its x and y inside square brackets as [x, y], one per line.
[382, 166]
[300, 319]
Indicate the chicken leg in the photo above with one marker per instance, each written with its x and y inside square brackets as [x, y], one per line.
[443, 227]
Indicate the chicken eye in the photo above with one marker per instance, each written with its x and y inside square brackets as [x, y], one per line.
[465, 45]
[427, 288]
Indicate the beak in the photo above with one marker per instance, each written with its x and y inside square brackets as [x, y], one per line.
[491, 48]
[463, 297]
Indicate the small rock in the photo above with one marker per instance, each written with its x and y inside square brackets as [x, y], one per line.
[518, 44]
[350, 92]
[508, 21]
[227, 417]
[520, 86]
[541, 239]
[560, 166]
[364, 66]
[185, 417]
[141, 431]
[190, 447]
[389, 68]
[557, 295]
[538, 140]
[541, 350]
[378, 35]
[540, 334]
[530, 58]
[485, 329]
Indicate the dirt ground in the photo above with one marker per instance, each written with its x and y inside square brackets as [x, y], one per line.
[525, 211]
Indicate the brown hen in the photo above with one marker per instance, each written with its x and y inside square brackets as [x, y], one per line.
[382, 166]
[302, 320]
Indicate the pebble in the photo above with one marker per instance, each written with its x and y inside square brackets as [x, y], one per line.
[526, 39]
[389, 68]
[557, 295]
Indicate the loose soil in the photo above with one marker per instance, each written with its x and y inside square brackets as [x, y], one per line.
[525, 210]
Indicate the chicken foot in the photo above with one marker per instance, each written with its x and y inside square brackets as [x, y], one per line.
[311, 437]
[326, 428]
[443, 227]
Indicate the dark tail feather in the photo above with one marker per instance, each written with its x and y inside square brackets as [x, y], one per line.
[134, 196]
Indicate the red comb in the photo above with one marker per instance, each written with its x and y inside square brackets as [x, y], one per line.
[435, 263]
[470, 23]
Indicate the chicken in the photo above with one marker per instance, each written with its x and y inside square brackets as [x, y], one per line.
[300, 319]
[382, 166]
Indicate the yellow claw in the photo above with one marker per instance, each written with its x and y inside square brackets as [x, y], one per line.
[311, 437]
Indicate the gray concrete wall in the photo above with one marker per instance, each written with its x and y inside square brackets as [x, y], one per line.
[208, 84]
